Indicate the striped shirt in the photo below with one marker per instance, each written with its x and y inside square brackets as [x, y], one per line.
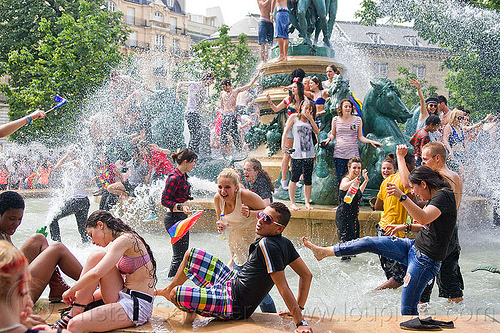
[346, 134]
[421, 138]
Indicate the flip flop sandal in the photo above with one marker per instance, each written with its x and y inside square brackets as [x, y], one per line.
[65, 317]
[416, 325]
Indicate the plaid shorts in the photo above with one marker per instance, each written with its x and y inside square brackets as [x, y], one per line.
[212, 298]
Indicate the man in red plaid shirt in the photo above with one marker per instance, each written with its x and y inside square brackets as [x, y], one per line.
[421, 137]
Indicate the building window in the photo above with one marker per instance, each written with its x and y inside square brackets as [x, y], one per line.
[173, 25]
[110, 5]
[418, 70]
[157, 16]
[132, 39]
[375, 37]
[130, 16]
[170, 3]
[380, 69]
[176, 47]
[212, 22]
[160, 42]
[413, 40]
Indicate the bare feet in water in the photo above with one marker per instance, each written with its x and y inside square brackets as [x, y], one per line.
[280, 59]
[165, 292]
[294, 207]
[188, 318]
[319, 252]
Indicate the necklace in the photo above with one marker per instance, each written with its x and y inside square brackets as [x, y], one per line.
[5, 329]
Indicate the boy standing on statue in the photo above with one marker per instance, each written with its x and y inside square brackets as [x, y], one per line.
[229, 124]
[225, 294]
[266, 29]
[282, 23]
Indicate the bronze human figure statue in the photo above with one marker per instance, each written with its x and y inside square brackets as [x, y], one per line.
[312, 17]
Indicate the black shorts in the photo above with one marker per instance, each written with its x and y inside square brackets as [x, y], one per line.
[302, 166]
[129, 188]
[392, 268]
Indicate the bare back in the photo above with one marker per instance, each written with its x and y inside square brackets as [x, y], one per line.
[229, 101]
[455, 182]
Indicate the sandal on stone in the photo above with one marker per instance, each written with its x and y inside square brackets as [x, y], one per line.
[416, 325]
[65, 317]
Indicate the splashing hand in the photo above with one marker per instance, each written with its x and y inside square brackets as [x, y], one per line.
[393, 190]
[401, 150]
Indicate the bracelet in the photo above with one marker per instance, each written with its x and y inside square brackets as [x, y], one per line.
[29, 120]
[300, 307]
[408, 227]
[248, 213]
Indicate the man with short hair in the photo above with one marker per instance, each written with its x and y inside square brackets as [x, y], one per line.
[422, 136]
[266, 28]
[229, 124]
[225, 294]
[443, 111]
[449, 278]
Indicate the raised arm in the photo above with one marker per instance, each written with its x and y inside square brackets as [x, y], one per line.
[423, 216]
[250, 84]
[446, 136]
[365, 182]
[423, 108]
[401, 152]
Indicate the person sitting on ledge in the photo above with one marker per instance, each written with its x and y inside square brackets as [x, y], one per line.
[225, 294]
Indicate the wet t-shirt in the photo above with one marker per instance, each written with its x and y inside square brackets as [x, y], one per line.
[433, 238]
[253, 282]
[261, 187]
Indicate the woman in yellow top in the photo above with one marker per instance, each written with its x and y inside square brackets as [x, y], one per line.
[393, 213]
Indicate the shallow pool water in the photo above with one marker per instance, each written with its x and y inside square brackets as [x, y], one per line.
[337, 289]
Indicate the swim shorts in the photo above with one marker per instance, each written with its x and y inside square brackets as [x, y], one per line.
[145, 308]
[266, 32]
[282, 23]
[212, 297]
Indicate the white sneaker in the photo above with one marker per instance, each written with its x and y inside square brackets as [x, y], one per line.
[284, 184]
[299, 185]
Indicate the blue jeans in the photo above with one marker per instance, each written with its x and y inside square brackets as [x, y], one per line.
[340, 168]
[421, 268]
[267, 304]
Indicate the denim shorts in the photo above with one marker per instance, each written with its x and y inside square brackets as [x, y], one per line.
[282, 23]
[266, 32]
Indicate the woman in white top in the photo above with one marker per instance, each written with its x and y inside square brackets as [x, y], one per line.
[240, 207]
[303, 127]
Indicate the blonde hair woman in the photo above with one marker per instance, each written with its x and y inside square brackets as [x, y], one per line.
[239, 207]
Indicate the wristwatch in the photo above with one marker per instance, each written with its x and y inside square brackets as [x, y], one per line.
[403, 198]
[303, 322]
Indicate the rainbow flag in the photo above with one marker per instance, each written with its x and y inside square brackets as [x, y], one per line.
[178, 230]
[358, 105]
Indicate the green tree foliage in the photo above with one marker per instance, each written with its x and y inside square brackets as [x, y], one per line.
[224, 58]
[468, 29]
[408, 92]
[64, 47]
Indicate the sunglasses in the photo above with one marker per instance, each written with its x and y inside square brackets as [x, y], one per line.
[267, 219]
[460, 117]
[433, 105]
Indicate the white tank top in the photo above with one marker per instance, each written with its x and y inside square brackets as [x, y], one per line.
[241, 231]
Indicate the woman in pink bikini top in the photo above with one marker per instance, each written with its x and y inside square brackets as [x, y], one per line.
[126, 275]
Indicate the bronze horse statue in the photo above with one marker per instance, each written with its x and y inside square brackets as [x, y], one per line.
[382, 110]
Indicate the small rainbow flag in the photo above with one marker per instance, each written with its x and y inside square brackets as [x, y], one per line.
[178, 230]
[358, 105]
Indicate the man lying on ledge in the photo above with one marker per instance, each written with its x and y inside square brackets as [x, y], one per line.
[226, 294]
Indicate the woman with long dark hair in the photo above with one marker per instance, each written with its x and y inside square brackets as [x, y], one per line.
[424, 254]
[346, 215]
[292, 103]
[176, 192]
[125, 275]
[257, 180]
